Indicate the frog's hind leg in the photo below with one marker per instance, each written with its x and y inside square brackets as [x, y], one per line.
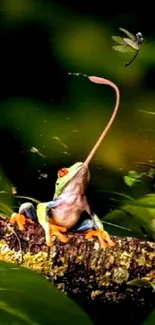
[96, 229]
[103, 237]
[25, 213]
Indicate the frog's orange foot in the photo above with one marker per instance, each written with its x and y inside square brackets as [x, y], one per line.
[20, 220]
[54, 230]
[102, 236]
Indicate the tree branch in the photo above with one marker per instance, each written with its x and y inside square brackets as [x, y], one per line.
[80, 267]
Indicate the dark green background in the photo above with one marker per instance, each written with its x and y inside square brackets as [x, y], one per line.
[40, 42]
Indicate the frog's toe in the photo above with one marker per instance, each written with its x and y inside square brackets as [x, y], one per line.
[20, 220]
[54, 230]
[102, 236]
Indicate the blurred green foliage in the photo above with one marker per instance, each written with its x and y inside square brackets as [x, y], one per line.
[84, 45]
[66, 131]
[27, 298]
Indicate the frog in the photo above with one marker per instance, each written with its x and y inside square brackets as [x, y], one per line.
[63, 212]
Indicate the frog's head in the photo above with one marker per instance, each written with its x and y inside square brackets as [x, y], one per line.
[64, 176]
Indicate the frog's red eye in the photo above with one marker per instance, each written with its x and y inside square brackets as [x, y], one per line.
[62, 172]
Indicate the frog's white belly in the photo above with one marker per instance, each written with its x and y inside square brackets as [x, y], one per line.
[72, 200]
[68, 214]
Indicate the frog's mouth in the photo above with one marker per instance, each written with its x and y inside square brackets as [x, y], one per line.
[82, 171]
[74, 173]
[78, 168]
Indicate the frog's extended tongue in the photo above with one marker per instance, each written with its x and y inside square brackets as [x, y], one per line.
[99, 80]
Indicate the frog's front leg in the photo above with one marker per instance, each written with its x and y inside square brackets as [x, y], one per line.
[50, 228]
[94, 228]
[25, 213]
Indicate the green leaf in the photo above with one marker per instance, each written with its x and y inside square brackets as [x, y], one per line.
[27, 198]
[151, 173]
[150, 320]
[141, 283]
[5, 209]
[138, 216]
[148, 200]
[125, 219]
[131, 181]
[133, 178]
[153, 285]
[26, 298]
[116, 230]
[134, 174]
[120, 195]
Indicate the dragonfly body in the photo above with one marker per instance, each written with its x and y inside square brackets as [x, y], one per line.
[133, 43]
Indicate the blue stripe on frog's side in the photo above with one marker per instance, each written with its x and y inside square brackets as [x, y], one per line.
[28, 210]
[88, 224]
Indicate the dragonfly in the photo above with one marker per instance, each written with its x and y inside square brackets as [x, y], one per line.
[133, 43]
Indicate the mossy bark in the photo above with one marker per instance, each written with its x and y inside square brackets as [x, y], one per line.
[82, 269]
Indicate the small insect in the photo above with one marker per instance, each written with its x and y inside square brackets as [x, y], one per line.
[65, 153]
[133, 43]
[60, 141]
[77, 74]
[14, 189]
[147, 112]
[35, 150]
[43, 175]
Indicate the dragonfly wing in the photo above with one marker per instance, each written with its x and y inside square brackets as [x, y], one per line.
[128, 33]
[132, 44]
[122, 48]
[118, 39]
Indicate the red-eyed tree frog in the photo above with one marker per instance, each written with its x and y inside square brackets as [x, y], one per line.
[69, 200]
